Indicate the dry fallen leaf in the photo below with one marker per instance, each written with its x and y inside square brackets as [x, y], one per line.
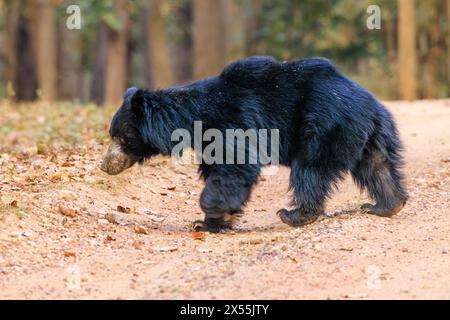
[69, 254]
[13, 204]
[172, 188]
[68, 212]
[198, 235]
[123, 209]
[109, 238]
[67, 164]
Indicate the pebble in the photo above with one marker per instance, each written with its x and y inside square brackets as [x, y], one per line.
[102, 221]
[166, 249]
[15, 234]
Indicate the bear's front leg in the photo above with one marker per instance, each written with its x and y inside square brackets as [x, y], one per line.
[226, 191]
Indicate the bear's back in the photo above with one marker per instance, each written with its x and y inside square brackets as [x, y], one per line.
[251, 72]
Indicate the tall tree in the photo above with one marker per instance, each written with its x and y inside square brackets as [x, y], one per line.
[448, 44]
[181, 47]
[434, 57]
[23, 63]
[116, 71]
[407, 56]
[69, 63]
[97, 94]
[45, 35]
[209, 47]
[234, 30]
[159, 57]
[253, 24]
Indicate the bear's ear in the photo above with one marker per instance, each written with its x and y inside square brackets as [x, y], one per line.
[137, 102]
[129, 93]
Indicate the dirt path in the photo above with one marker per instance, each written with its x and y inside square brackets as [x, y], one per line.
[45, 254]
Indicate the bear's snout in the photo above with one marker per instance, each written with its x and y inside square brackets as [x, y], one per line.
[115, 160]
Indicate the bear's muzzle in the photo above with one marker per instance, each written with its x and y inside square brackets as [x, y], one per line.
[115, 160]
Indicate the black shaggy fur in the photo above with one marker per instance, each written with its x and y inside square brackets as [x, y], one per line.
[328, 125]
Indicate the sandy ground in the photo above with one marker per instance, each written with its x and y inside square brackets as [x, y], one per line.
[148, 252]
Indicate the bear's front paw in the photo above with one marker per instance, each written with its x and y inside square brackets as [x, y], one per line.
[296, 218]
[211, 225]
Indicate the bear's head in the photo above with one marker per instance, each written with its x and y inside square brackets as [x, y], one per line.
[127, 143]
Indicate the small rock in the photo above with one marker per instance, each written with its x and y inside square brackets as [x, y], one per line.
[204, 250]
[157, 219]
[67, 195]
[137, 244]
[166, 249]
[140, 230]
[15, 234]
[355, 295]
[27, 234]
[103, 221]
[114, 218]
[68, 212]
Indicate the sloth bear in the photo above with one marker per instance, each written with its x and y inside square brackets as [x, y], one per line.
[328, 125]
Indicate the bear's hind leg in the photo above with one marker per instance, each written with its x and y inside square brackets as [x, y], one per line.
[384, 183]
[311, 185]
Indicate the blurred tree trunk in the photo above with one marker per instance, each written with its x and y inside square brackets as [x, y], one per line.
[69, 63]
[23, 58]
[234, 30]
[407, 60]
[11, 16]
[99, 76]
[181, 50]
[209, 34]
[159, 58]
[116, 70]
[46, 51]
[448, 45]
[144, 46]
[390, 35]
[253, 13]
[433, 61]
[390, 40]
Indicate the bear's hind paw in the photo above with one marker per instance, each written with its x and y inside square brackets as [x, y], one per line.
[296, 218]
[381, 212]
